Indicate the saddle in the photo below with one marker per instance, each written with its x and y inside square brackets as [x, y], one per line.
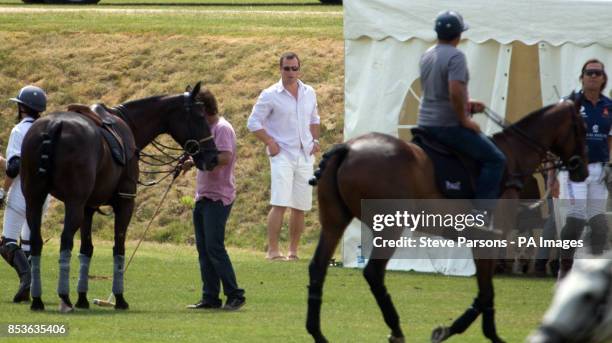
[455, 174]
[105, 121]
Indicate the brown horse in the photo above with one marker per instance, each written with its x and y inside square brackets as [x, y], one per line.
[378, 166]
[64, 154]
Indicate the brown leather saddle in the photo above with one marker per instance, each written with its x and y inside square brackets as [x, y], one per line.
[101, 116]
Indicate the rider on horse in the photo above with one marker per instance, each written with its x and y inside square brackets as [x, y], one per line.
[445, 109]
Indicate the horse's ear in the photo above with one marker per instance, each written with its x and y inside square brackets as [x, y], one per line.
[188, 88]
[576, 97]
[196, 89]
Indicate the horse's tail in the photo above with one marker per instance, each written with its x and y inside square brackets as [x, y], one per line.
[49, 140]
[339, 150]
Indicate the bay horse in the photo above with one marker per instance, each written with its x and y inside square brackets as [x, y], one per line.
[379, 166]
[64, 154]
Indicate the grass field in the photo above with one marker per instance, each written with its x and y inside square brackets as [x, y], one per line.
[164, 278]
[235, 5]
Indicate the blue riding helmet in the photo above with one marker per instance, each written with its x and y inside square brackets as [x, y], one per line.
[449, 25]
[32, 97]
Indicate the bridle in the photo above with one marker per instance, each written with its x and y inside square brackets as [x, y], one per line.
[573, 163]
[191, 147]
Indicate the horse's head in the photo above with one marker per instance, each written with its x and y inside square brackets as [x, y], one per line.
[570, 141]
[582, 307]
[189, 128]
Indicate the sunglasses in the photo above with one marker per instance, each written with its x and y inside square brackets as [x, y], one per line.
[291, 68]
[593, 72]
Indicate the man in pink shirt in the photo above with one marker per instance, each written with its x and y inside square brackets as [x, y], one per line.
[215, 194]
[286, 119]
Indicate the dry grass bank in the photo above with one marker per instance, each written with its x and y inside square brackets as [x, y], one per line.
[113, 68]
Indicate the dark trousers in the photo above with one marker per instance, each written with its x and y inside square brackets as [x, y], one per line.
[481, 148]
[209, 218]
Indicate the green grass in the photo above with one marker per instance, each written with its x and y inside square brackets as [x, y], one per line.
[233, 5]
[172, 23]
[164, 278]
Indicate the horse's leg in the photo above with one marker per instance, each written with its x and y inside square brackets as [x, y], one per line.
[123, 214]
[317, 269]
[334, 218]
[34, 210]
[84, 258]
[482, 304]
[72, 221]
[374, 273]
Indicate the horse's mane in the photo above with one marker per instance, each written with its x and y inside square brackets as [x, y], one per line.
[526, 120]
[144, 100]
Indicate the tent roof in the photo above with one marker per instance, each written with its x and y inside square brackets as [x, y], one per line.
[529, 21]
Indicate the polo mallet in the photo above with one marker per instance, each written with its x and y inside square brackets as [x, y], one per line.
[109, 302]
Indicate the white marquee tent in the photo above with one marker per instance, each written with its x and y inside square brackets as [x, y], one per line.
[522, 54]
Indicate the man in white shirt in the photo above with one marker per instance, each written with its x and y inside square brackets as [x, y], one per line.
[286, 119]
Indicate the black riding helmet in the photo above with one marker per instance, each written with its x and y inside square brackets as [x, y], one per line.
[32, 97]
[449, 25]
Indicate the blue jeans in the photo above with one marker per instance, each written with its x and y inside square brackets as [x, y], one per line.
[209, 218]
[480, 148]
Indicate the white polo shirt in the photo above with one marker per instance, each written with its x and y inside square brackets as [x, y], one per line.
[287, 119]
[18, 132]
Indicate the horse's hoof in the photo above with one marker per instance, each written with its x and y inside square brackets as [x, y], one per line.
[440, 334]
[64, 307]
[393, 339]
[37, 304]
[22, 295]
[82, 303]
[120, 303]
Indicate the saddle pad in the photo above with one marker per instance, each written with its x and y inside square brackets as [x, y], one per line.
[452, 177]
[115, 146]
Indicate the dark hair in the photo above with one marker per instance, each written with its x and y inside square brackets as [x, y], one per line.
[23, 111]
[209, 102]
[603, 68]
[288, 55]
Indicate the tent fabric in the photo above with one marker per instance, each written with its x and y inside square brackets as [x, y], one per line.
[378, 75]
[384, 40]
[555, 22]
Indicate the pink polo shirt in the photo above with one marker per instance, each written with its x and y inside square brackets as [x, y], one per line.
[219, 184]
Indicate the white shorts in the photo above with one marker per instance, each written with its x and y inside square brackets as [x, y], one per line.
[289, 179]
